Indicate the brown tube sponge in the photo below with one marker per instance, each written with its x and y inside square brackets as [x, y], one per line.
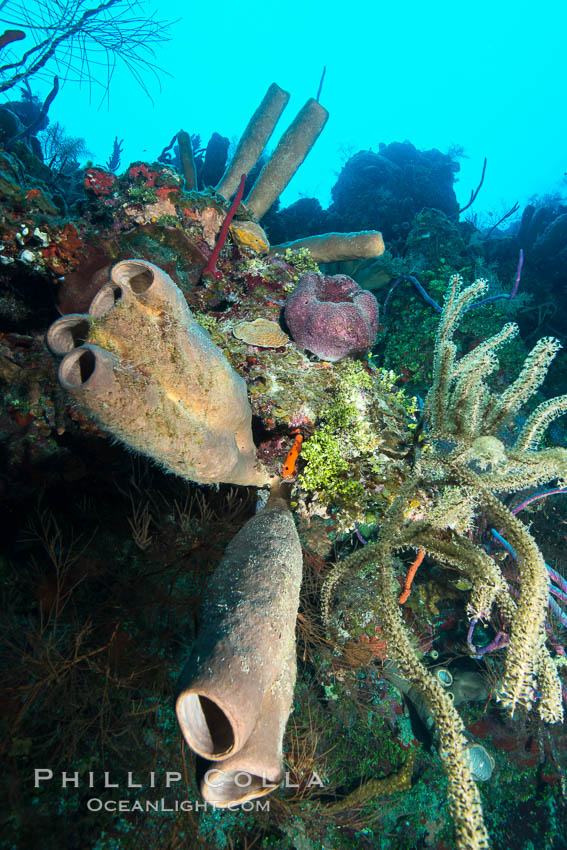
[152, 376]
[187, 160]
[256, 769]
[290, 152]
[235, 692]
[337, 247]
[254, 139]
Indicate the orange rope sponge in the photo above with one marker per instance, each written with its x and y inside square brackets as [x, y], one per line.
[410, 577]
[291, 459]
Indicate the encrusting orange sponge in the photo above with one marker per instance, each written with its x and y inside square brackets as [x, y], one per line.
[292, 455]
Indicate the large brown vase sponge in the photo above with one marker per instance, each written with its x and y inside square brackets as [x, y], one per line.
[236, 690]
[143, 368]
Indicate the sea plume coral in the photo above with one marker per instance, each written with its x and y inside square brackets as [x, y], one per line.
[464, 462]
[465, 419]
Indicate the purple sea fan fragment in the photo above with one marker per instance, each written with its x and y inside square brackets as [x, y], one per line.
[332, 316]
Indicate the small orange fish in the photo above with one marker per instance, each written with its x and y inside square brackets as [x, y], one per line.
[291, 459]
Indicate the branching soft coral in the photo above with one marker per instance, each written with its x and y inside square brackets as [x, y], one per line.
[465, 418]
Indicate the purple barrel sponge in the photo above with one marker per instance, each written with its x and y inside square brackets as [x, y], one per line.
[332, 316]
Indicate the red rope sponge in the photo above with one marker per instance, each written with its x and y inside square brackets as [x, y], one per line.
[211, 267]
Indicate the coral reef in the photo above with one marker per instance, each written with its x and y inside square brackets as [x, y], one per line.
[391, 186]
[384, 189]
[419, 671]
